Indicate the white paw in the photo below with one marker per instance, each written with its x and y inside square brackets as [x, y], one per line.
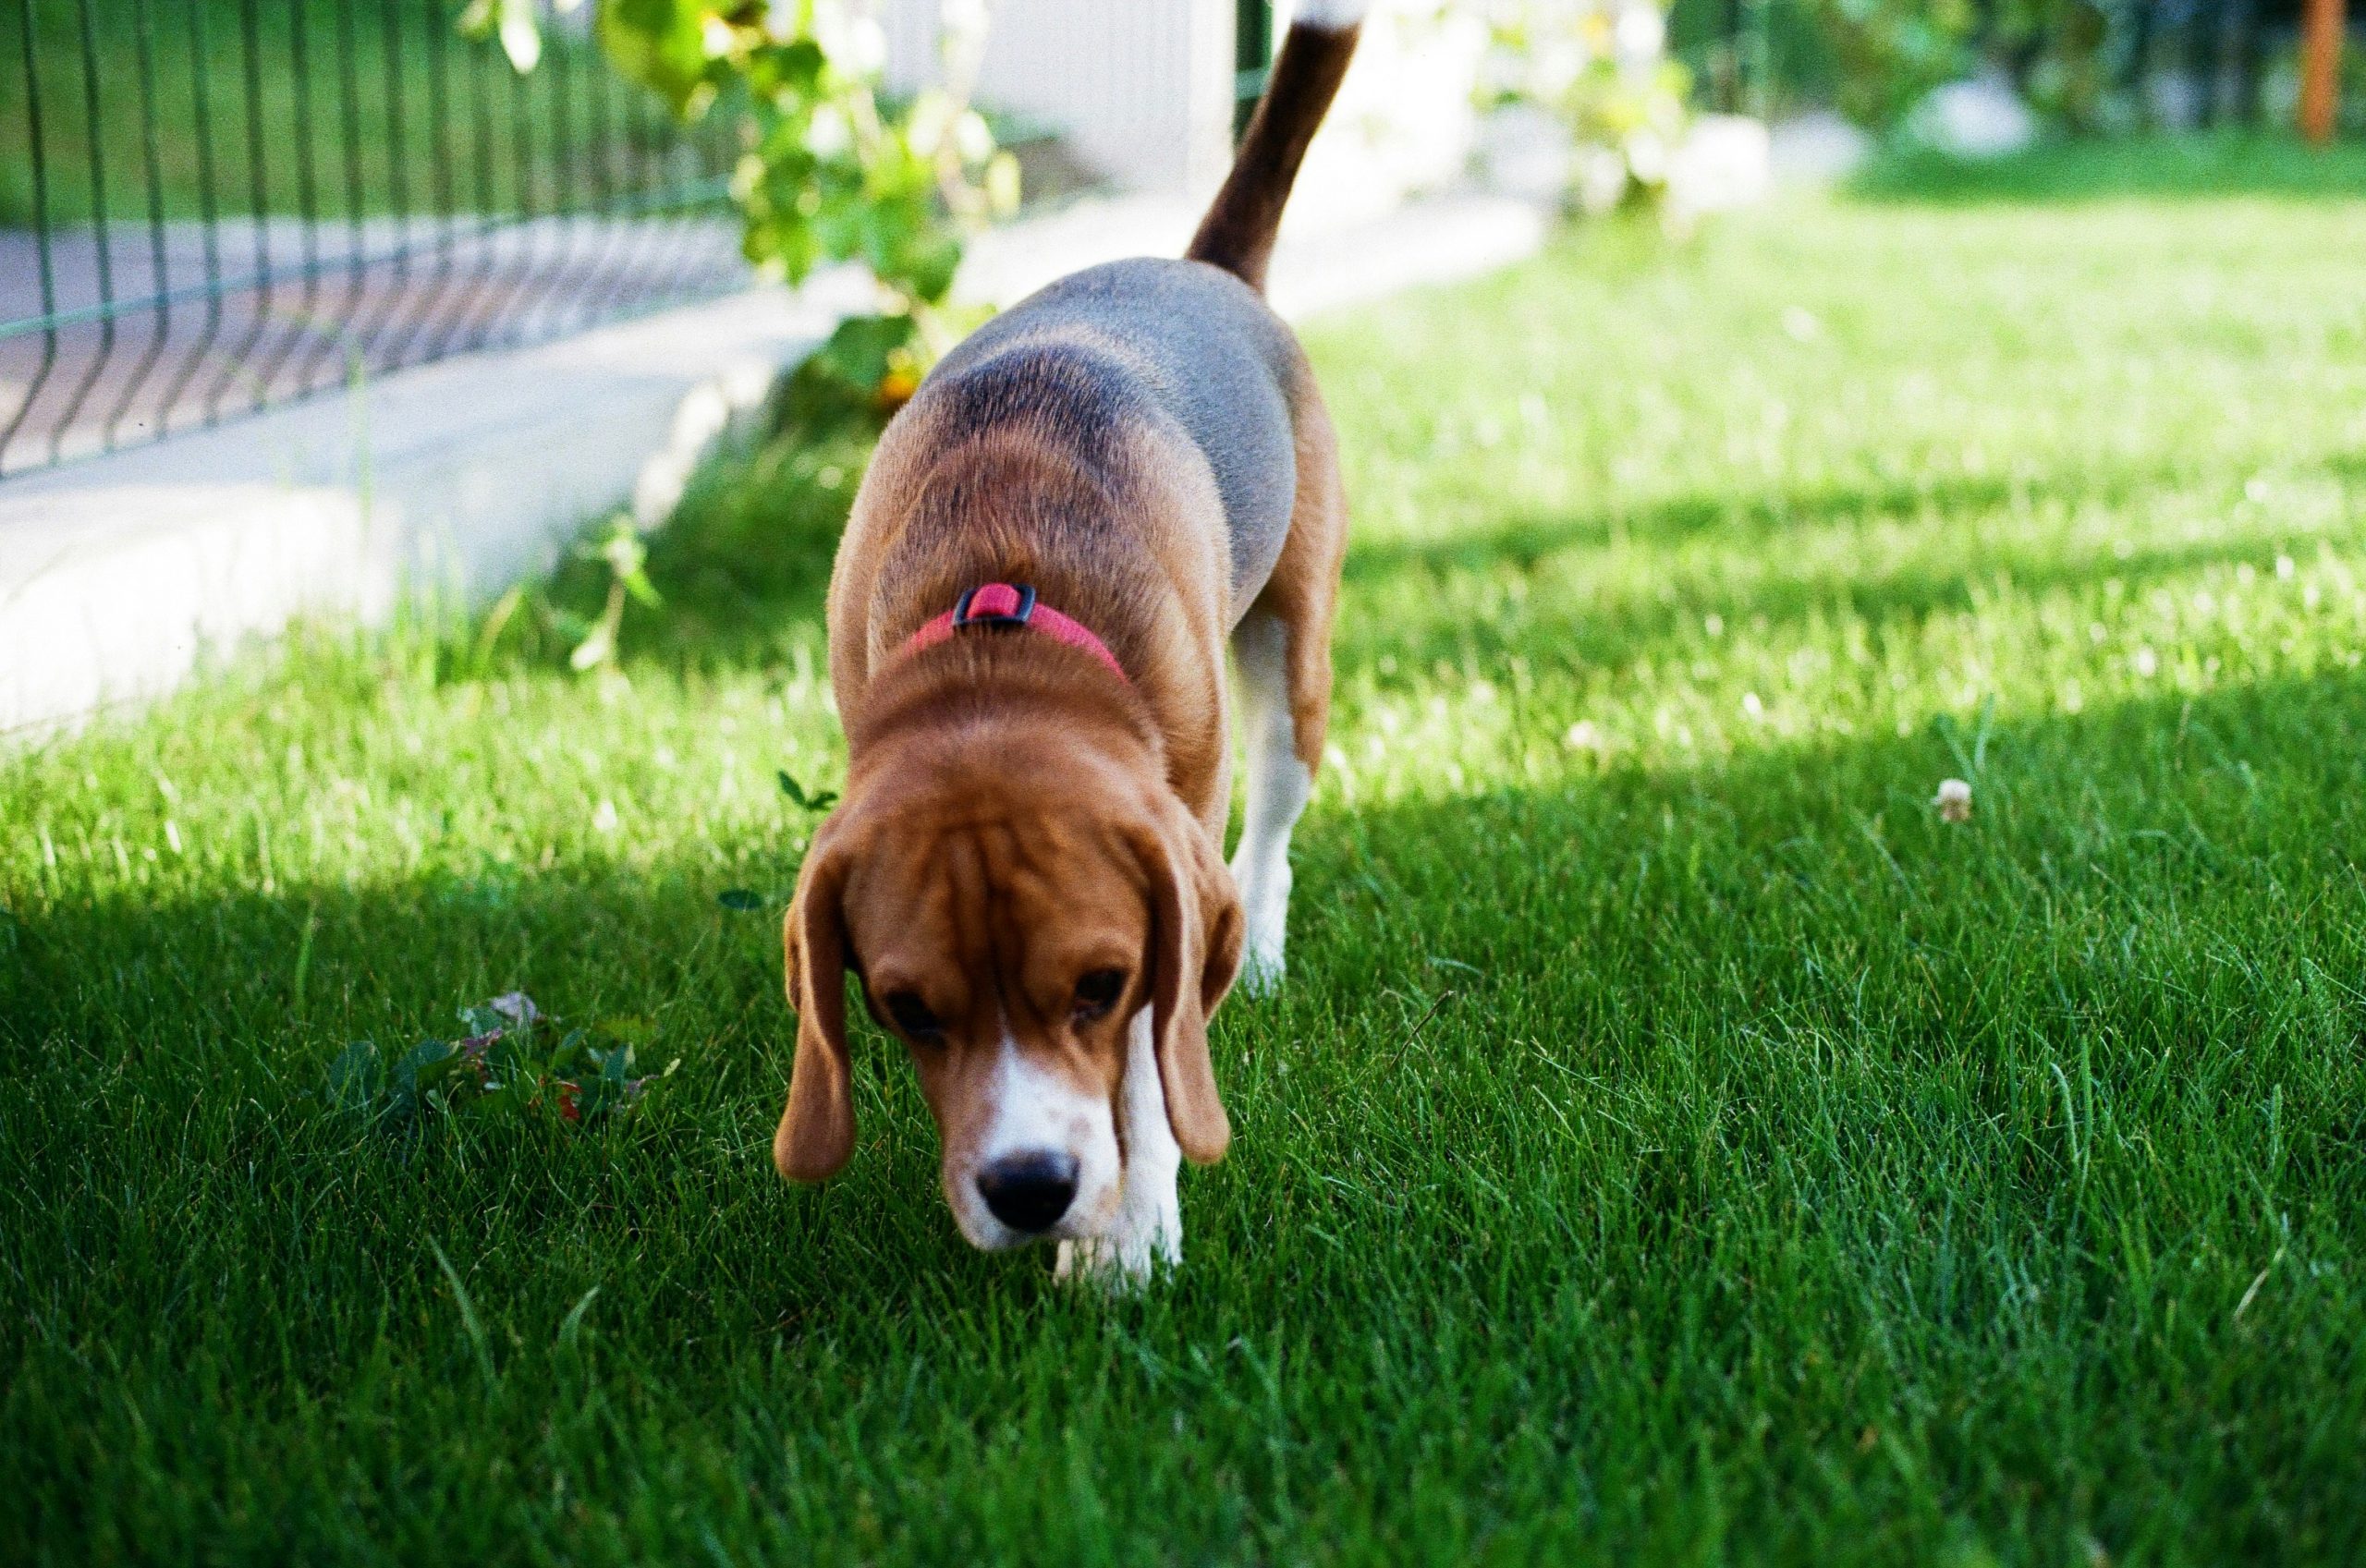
[1146, 1232]
[1120, 1265]
[1262, 969]
[1265, 912]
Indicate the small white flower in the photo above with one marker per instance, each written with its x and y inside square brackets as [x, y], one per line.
[516, 1006]
[1584, 735]
[603, 819]
[1954, 801]
[1753, 708]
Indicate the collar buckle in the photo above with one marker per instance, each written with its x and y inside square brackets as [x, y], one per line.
[995, 604]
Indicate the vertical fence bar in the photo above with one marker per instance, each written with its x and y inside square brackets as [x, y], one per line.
[201, 116]
[521, 173]
[397, 293]
[308, 203]
[692, 258]
[488, 200]
[39, 378]
[565, 171]
[600, 95]
[629, 211]
[539, 296]
[439, 164]
[1253, 58]
[160, 325]
[331, 334]
[102, 246]
[259, 199]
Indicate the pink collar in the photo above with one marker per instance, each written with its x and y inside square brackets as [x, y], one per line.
[999, 604]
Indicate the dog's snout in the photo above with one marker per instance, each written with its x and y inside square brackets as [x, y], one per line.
[1029, 1191]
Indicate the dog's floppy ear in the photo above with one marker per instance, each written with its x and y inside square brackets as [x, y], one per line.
[816, 1134]
[1195, 953]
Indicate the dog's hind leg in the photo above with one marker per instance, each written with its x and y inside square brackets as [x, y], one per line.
[1148, 1230]
[1279, 784]
[1281, 653]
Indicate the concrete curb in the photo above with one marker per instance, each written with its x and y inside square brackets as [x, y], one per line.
[119, 574]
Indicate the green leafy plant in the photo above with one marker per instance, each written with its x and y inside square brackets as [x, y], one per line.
[818, 800]
[1889, 54]
[813, 802]
[828, 171]
[2056, 51]
[513, 24]
[626, 555]
[1602, 70]
[514, 1061]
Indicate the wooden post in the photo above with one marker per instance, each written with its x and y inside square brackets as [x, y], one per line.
[2322, 28]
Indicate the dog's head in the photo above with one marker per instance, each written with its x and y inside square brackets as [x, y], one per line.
[1007, 918]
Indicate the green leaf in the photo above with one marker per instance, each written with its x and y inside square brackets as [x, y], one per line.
[820, 800]
[423, 1057]
[521, 35]
[847, 370]
[661, 44]
[632, 1030]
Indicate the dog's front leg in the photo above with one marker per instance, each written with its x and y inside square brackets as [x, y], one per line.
[1148, 1230]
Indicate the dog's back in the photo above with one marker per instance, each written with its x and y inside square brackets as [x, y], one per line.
[1188, 345]
[1146, 343]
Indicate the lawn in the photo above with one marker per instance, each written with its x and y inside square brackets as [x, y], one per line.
[1674, 1143]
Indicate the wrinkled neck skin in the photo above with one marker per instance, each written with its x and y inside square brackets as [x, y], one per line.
[1028, 703]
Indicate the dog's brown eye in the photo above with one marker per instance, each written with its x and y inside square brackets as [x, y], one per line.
[1096, 993]
[912, 1016]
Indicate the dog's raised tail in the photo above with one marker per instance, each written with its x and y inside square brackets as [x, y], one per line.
[1238, 232]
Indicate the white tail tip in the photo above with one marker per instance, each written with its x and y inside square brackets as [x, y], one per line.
[1331, 15]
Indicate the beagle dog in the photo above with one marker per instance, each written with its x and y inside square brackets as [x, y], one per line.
[1059, 534]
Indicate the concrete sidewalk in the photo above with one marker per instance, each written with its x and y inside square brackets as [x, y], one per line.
[121, 574]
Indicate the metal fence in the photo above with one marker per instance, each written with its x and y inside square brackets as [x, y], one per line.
[208, 207]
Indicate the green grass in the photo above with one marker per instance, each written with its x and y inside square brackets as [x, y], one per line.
[2254, 165]
[1678, 1146]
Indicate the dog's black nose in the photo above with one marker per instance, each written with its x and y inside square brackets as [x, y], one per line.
[1029, 1192]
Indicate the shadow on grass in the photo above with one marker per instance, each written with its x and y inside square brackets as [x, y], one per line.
[1674, 886]
[1752, 1075]
[1615, 628]
[1523, 541]
[744, 567]
[2265, 166]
